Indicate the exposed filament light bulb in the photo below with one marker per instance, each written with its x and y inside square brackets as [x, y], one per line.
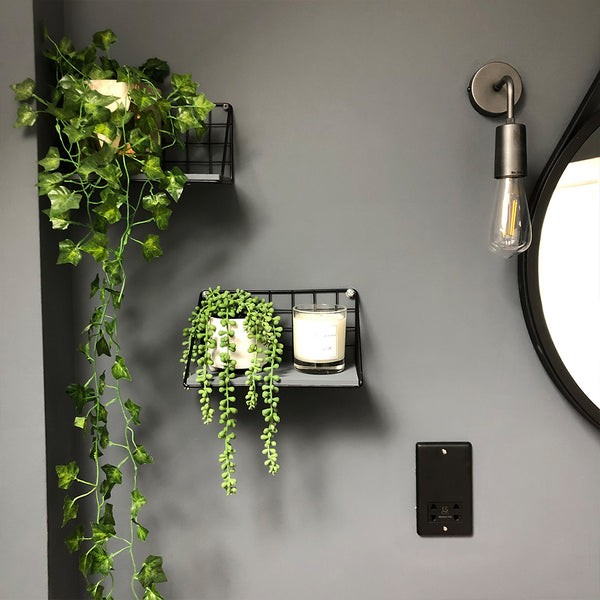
[511, 225]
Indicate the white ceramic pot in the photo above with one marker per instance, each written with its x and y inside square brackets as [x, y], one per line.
[112, 87]
[243, 359]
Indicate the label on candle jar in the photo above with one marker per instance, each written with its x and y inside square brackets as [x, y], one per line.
[319, 341]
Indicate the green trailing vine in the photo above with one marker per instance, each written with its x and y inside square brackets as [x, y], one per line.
[203, 336]
[102, 142]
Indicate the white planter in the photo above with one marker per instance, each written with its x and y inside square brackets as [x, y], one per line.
[112, 87]
[241, 340]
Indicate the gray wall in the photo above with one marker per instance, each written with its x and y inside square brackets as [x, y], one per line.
[23, 571]
[361, 162]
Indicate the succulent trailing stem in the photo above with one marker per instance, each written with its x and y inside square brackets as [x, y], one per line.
[264, 331]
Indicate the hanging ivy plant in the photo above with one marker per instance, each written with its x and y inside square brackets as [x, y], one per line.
[203, 336]
[103, 141]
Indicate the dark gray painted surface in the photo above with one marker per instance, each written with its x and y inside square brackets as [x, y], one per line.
[23, 572]
[361, 162]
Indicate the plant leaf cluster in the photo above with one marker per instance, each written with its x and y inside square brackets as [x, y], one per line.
[264, 331]
[101, 142]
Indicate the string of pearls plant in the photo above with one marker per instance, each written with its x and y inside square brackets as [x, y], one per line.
[202, 337]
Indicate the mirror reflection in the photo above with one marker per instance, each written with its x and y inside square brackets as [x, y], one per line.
[569, 268]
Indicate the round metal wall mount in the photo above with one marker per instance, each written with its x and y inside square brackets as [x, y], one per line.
[485, 98]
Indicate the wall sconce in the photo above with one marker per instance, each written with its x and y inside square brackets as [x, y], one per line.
[494, 90]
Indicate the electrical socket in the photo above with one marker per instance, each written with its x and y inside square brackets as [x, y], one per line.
[444, 489]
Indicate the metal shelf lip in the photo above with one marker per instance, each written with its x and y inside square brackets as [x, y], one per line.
[283, 301]
[193, 178]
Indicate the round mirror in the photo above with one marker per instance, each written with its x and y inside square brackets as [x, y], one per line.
[560, 274]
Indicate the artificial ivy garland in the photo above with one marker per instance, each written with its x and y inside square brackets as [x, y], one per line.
[89, 186]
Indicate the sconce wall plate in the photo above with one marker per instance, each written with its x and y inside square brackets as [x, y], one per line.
[483, 93]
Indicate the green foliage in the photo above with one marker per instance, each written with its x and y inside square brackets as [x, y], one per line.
[101, 143]
[151, 571]
[264, 331]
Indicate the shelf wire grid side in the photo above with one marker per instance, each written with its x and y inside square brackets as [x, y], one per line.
[210, 157]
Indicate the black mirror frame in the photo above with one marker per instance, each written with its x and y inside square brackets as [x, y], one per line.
[582, 125]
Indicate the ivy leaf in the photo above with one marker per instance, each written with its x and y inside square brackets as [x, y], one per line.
[76, 134]
[142, 457]
[107, 518]
[173, 182]
[151, 593]
[202, 105]
[110, 327]
[134, 410]
[106, 130]
[151, 247]
[62, 199]
[104, 39]
[109, 208]
[111, 174]
[94, 286]
[68, 253]
[151, 202]
[80, 395]
[162, 214]
[103, 437]
[137, 501]
[142, 532]
[183, 84]
[155, 70]
[26, 116]
[70, 508]
[151, 571]
[101, 415]
[119, 370]
[51, 161]
[85, 563]
[152, 169]
[73, 541]
[187, 119]
[79, 422]
[101, 383]
[47, 182]
[113, 474]
[102, 532]
[97, 246]
[67, 474]
[113, 477]
[96, 591]
[24, 90]
[102, 347]
[102, 563]
[58, 221]
[112, 269]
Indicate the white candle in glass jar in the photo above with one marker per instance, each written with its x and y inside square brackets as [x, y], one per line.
[319, 335]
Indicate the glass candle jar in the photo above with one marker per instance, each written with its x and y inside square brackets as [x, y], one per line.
[319, 338]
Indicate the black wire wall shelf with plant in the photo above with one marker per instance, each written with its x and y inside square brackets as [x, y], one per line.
[208, 158]
[283, 303]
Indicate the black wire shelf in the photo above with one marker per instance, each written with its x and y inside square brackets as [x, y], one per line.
[283, 302]
[208, 159]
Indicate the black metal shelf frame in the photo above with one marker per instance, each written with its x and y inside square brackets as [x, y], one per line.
[283, 302]
[210, 158]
